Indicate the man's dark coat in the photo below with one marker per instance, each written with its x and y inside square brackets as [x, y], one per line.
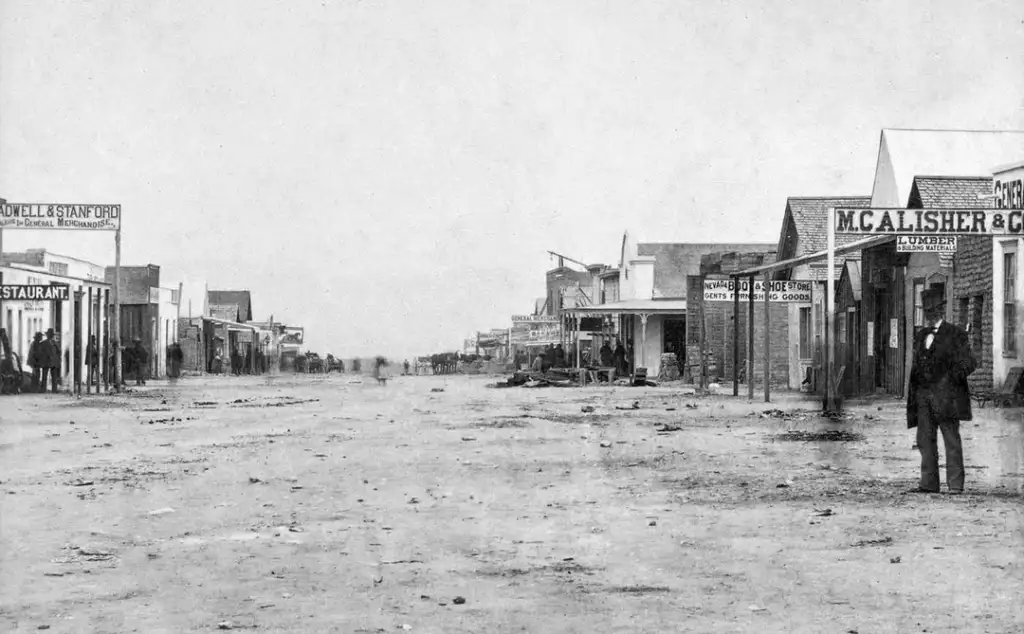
[951, 362]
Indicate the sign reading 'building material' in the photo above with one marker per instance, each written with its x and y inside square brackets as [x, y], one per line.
[56, 216]
[928, 244]
[34, 292]
[781, 291]
[879, 221]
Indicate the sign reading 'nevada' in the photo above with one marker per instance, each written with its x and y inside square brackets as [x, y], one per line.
[34, 292]
[879, 221]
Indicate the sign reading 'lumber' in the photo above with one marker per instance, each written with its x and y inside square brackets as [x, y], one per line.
[34, 292]
[879, 221]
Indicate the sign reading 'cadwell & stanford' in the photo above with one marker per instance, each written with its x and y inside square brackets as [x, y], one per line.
[34, 292]
[878, 221]
[47, 216]
[781, 291]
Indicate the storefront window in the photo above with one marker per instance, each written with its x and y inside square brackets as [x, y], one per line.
[918, 305]
[1010, 301]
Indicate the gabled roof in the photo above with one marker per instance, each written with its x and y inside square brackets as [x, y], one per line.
[903, 154]
[810, 219]
[952, 192]
[242, 299]
[674, 261]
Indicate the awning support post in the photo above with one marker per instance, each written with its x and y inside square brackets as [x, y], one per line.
[767, 337]
[750, 337]
[735, 337]
[831, 404]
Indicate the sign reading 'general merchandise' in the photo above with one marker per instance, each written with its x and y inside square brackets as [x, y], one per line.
[516, 319]
[780, 291]
[926, 244]
[58, 216]
[35, 292]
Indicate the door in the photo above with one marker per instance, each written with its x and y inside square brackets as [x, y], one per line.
[881, 343]
[674, 340]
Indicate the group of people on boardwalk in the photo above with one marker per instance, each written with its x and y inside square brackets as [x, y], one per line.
[44, 358]
[555, 356]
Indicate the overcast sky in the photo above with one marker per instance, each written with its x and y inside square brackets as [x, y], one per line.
[391, 174]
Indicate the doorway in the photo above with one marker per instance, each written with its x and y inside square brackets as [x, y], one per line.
[881, 316]
[674, 341]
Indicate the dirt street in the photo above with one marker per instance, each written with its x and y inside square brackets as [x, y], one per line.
[337, 505]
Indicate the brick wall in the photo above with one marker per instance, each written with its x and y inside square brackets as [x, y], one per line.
[973, 282]
[135, 283]
[719, 335]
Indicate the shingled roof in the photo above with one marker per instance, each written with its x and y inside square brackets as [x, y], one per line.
[673, 262]
[241, 299]
[950, 192]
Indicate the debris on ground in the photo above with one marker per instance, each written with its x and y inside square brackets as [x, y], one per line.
[667, 428]
[635, 405]
[872, 542]
[823, 512]
[437, 389]
[459, 600]
[830, 435]
[895, 560]
[587, 409]
[164, 511]
[606, 444]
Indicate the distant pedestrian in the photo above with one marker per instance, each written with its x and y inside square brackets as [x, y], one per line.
[939, 396]
[92, 359]
[405, 366]
[559, 356]
[176, 356]
[51, 361]
[37, 357]
[140, 361]
[549, 357]
[607, 356]
[619, 356]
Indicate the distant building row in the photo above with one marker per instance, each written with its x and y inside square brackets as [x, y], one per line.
[215, 328]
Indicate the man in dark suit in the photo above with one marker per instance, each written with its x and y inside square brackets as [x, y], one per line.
[939, 397]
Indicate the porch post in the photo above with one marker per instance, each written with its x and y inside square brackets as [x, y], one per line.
[735, 337]
[643, 339]
[703, 340]
[750, 337]
[830, 309]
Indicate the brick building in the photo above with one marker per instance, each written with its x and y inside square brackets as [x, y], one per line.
[969, 301]
[139, 290]
[718, 320]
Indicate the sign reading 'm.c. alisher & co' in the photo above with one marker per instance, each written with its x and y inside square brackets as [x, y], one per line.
[929, 221]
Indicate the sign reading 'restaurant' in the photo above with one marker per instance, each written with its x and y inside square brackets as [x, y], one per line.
[34, 292]
[927, 244]
[46, 216]
[929, 221]
[781, 291]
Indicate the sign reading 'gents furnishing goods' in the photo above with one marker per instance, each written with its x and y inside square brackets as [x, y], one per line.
[928, 244]
[879, 221]
[55, 216]
[34, 292]
[781, 291]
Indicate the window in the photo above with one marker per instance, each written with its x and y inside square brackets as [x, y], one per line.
[58, 268]
[1010, 301]
[805, 333]
[174, 296]
[976, 324]
[841, 324]
[963, 314]
[918, 305]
